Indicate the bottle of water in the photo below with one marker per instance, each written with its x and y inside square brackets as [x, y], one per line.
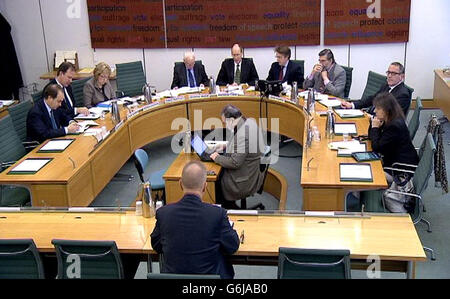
[329, 129]
[311, 101]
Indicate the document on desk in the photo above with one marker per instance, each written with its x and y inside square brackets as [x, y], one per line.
[357, 172]
[7, 103]
[348, 113]
[30, 166]
[91, 116]
[330, 102]
[55, 145]
[347, 152]
[345, 128]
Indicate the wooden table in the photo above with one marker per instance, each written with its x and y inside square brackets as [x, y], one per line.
[441, 92]
[63, 183]
[77, 75]
[173, 176]
[392, 238]
[322, 188]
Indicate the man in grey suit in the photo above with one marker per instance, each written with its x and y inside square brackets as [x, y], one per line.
[327, 76]
[241, 176]
[189, 73]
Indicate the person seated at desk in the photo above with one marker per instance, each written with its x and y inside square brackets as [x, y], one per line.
[194, 237]
[237, 70]
[98, 89]
[241, 176]
[327, 76]
[394, 85]
[64, 77]
[285, 69]
[46, 119]
[389, 134]
[190, 73]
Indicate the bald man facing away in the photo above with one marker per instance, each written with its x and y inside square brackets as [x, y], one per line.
[194, 237]
[189, 73]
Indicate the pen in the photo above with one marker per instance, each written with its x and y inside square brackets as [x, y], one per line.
[242, 237]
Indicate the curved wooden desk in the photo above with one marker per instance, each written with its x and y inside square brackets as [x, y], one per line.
[66, 183]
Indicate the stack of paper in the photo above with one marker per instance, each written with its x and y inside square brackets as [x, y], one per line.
[7, 103]
[330, 102]
[30, 165]
[355, 172]
[345, 128]
[344, 113]
[353, 145]
[56, 145]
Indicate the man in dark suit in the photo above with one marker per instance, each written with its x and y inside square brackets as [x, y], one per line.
[190, 73]
[46, 119]
[237, 70]
[194, 236]
[284, 69]
[64, 77]
[394, 85]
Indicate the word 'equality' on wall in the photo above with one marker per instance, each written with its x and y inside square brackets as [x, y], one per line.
[203, 23]
[366, 21]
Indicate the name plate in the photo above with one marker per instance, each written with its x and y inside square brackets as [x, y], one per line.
[199, 96]
[134, 113]
[279, 99]
[150, 106]
[176, 99]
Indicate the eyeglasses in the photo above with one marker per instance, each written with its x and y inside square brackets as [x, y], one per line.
[388, 73]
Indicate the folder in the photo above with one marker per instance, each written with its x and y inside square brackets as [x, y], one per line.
[55, 145]
[30, 166]
[355, 172]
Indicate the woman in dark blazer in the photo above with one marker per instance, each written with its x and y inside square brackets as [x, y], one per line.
[389, 133]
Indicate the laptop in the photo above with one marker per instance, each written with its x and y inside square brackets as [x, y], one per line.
[201, 149]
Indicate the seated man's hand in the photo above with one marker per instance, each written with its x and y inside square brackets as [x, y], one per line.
[346, 105]
[213, 156]
[73, 127]
[83, 110]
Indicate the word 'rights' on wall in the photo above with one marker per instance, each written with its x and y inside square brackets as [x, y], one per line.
[203, 23]
[366, 22]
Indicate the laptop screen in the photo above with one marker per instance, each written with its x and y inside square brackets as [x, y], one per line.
[198, 145]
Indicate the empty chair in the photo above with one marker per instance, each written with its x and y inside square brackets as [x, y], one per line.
[77, 90]
[88, 259]
[348, 80]
[130, 78]
[414, 122]
[302, 70]
[12, 150]
[297, 263]
[155, 178]
[20, 259]
[181, 276]
[36, 96]
[19, 114]
[374, 82]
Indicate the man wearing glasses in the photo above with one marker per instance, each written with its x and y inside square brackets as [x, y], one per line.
[327, 76]
[394, 85]
[285, 69]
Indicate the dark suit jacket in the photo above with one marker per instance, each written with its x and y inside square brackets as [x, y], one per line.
[248, 72]
[39, 124]
[293, 73]
[400, 92]
[180, 76]
[394, 143]
[194, 238]
[70, 112]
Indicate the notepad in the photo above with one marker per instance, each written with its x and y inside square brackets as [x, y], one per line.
[347, 113]
[330, 102]
[358, 172]
[30, 166]
[345, 128]
[55, 145]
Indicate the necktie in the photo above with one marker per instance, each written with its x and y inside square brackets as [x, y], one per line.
[280, 77]
[66, 95]
[52, 118]
[191, 79]
[237, 75]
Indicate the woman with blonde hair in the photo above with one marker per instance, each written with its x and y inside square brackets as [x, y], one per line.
[98, 89]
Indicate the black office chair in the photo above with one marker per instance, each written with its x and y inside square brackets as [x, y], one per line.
[20, 259]
[348, 80]
[263, 167]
